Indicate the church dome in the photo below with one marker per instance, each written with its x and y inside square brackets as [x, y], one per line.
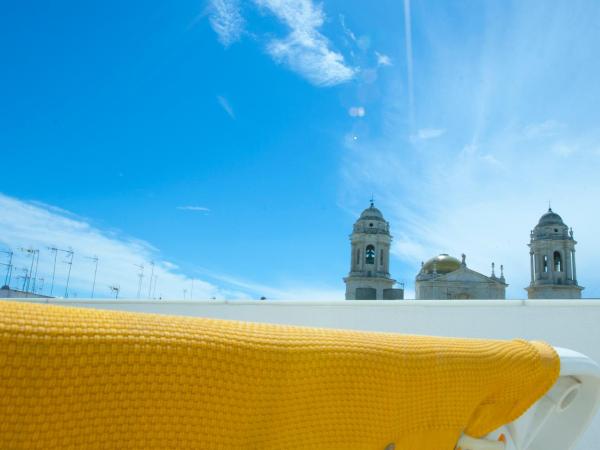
[550, 218]
[372, 213]
[443, 263]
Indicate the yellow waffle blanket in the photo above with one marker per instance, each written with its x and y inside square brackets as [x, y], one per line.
[91, 379]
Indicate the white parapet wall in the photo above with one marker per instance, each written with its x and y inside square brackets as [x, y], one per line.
[573, 324]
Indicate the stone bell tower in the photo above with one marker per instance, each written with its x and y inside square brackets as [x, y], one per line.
[552, 259]
[369, 277]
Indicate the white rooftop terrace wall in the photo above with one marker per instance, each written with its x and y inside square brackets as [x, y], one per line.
[573, 324]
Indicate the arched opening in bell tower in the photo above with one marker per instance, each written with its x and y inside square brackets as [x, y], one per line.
[370, 255]
[557, 262]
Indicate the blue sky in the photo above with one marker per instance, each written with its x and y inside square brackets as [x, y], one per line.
[233, 143]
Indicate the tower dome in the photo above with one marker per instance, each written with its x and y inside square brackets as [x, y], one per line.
[550, 218]
[371, 221]
[371, 213]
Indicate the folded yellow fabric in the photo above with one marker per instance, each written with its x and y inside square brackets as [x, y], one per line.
[86, 378]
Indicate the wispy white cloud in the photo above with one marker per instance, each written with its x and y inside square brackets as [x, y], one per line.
[226, 20]
[547, 128]
[383, 60]
[34, 225]
[357, 111]
[425, 134]
[347, 31]
[194, 208]
[305, 50]
[226, 106]
[289, 290]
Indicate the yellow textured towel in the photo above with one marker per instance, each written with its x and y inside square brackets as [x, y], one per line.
[86, 378]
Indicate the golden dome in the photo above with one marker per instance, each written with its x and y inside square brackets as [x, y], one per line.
[443, 263]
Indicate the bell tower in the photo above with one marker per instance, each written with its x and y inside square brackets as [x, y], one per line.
[369, 277]
[552, 259]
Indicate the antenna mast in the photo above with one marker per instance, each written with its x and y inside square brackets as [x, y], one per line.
[154, 289]
[70, 264]
[8, 265]
[140, 275]
[31, 252]
[151, 276]
[115, 289]
[68, 253]
[95, 259]
[37, 262]
[55, 250]
[24, 277]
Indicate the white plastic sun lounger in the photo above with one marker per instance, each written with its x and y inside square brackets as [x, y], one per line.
[557, 420]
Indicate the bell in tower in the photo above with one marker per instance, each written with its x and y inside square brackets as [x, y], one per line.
[369, 277]
[552, 260]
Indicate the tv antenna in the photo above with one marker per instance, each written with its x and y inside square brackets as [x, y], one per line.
[151, 276]
[35, 256]
[23, 277]
[115, 290]
[41, 288]
[9, 266]
[140, 276]
[70, 255]
[95, 259]
[55, 250]
[37, 262]
[154, 288]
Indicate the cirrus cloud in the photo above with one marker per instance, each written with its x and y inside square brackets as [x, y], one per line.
[304, 50]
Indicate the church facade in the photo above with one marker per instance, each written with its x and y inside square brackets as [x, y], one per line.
[552, 261]
[445, 277]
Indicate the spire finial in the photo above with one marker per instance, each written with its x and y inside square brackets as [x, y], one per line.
[372, 201]
[501, 270]
[549, 206]
[493, 267]
[464, 258]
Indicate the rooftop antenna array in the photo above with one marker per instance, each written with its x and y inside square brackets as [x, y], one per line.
[9, 266]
